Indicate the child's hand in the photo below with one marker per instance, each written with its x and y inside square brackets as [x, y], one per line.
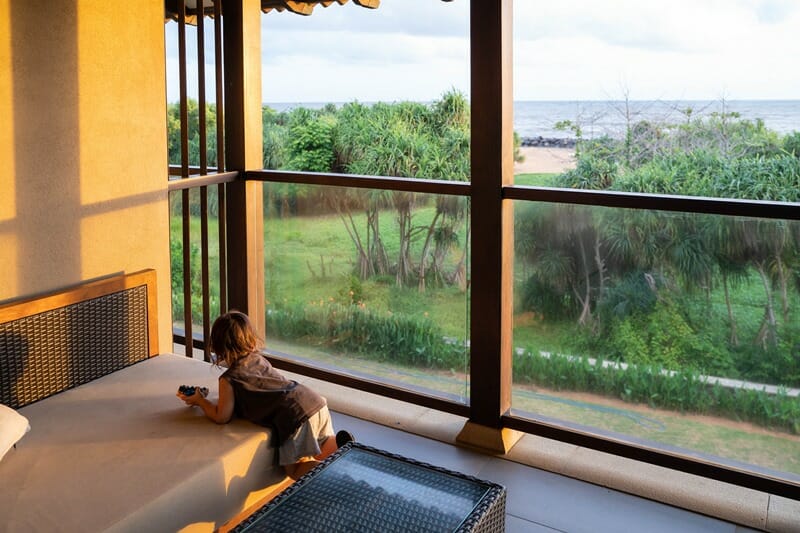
[188, 400]
[191, 395]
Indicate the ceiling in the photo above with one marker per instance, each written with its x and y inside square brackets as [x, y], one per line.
[301, 7]
[305, 7]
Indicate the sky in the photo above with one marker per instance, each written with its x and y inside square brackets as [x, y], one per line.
[563, 50]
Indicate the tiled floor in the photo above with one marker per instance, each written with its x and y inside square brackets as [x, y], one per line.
[539, 501]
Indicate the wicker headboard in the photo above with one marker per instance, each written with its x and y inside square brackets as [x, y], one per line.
[68, 338]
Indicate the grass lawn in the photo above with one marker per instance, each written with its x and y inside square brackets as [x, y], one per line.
[714, 436]
[312, 259]
[535, 180]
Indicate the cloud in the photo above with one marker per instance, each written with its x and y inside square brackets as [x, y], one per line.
[363, 48]
[419, 48]
[680, 26]
[398, 69]
[776, 11]
[576, 49]
[568, 49]
[624, 25]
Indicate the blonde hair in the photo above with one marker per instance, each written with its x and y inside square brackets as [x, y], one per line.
[233, 337]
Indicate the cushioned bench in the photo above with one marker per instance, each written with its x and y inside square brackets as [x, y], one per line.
[122, 453]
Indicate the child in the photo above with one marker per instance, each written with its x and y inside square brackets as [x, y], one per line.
[252, 389]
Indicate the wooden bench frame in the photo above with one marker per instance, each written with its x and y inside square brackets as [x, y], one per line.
[87, 291]
[54, 342]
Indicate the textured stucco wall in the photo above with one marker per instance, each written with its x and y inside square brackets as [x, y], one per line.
[82, 146]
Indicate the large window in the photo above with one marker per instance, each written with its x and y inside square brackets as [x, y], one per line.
[670, 330]
[375, 92]
[655, 254]
[369, 281]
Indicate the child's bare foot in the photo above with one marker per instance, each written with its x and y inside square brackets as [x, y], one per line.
[301, 468]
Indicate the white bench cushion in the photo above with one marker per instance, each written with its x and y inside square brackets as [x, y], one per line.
[122, 453]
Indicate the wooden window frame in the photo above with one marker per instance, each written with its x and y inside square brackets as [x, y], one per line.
[491, 193]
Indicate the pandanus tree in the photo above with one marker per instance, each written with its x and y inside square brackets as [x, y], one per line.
[448, 161]
[768, 245]
[395, 150]
[442, 236]
[561, 244]
[405, 140]
[355, 133]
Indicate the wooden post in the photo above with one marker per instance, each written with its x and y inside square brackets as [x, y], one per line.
[492, 226]
[243, 151]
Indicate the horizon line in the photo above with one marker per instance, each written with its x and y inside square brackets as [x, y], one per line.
[549, 101]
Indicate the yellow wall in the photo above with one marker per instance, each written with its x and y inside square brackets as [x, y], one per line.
[82, 146]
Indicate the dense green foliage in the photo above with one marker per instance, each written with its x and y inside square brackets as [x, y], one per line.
[403, 339]
[644, 286]
[418, 342]
[193, 134]
[403, 139]
[686, 392]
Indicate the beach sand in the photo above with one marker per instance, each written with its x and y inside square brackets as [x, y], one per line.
[545, 160]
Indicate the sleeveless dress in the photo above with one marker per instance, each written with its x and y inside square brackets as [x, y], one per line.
[298, 416]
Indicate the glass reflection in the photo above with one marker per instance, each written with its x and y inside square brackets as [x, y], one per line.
[671, 328]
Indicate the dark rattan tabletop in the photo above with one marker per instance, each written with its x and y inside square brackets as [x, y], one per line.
[363, 489]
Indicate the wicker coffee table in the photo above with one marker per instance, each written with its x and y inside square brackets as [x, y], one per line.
[364, 489]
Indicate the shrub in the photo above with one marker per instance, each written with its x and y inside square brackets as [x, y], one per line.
[311, 143]
[681, 391]
[791, 143]
[761, 178]
[662, 337]
[403, 339]
[591, 172]
[631, 295]
[545, 299]
[778, 364]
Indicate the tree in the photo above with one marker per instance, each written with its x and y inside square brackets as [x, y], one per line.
[193, 133]
[721, 155]
[406, 140]
[565, 254]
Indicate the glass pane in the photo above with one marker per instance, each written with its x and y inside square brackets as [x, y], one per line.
[387, 96]
[368, 281]
[672, 329]
[402, 495]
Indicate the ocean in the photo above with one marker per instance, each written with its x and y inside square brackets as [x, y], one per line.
[597, 118]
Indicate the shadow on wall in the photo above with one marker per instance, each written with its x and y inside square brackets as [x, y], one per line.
[44, 71]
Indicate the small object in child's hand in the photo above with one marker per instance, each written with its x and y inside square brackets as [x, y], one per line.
[189, 390]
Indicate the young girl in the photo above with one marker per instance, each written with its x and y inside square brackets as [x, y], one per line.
[252, 389]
